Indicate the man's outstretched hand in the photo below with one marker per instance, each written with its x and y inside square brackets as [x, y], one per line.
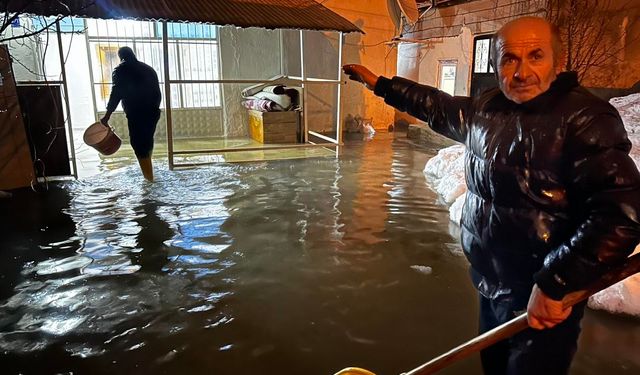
[544, 312]
[361, 74]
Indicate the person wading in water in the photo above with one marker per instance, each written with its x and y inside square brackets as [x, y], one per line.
[136, 85]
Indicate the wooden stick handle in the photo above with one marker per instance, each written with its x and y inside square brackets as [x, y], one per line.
[510, 328]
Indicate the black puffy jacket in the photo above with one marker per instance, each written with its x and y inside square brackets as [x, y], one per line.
[553, 197]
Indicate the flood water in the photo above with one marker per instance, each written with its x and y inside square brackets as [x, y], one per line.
[285, 267]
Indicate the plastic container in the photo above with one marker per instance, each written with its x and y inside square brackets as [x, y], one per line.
[102, 138]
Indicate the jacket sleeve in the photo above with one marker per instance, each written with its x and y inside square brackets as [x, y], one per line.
[444, 113]
[116, 92]
[604, 193]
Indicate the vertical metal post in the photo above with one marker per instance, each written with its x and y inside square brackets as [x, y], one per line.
[281, 41]
[339, 103]
[66, 100]
[305, 124]
[223, 88]
[167, 93]
[91, 76]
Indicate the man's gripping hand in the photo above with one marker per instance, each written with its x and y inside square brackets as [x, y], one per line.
[361, 74]
[105, 119]
[544, 312]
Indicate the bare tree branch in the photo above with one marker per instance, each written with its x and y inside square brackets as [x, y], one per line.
[589, 30]
[33, 33]
[11, 17]
[8, 20]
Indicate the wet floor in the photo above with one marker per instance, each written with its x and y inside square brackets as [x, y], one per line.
[299, 267]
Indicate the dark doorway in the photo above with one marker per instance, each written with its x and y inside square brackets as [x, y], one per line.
[45, 126]
[482, 76]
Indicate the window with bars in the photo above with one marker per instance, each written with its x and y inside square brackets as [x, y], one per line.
[482, 74]
[193, 57]
[482, 48]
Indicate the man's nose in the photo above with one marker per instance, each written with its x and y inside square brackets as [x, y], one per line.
[522, 71]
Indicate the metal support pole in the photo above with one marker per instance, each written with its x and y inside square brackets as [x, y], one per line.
[223, 86]
[339, 104]
[167, 93]
[66, 100]
[305, 124]
[91, 76]
[281, 41]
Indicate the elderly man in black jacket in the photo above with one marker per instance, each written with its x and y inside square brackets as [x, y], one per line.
[136, 85]
[553, 197]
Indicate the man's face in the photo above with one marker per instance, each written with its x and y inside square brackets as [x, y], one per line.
[524, 60]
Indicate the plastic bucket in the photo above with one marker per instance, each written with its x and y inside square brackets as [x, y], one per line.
[102, 138]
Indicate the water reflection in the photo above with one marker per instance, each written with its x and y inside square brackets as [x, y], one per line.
[34, 227]
[151, 253]
[370, 203]
[303, 266]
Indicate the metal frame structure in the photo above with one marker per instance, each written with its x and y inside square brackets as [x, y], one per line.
[330, 142]
[304, 82]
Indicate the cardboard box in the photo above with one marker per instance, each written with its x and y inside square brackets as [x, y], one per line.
[274, 127]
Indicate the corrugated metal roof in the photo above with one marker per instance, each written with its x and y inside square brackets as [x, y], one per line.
[271, 14]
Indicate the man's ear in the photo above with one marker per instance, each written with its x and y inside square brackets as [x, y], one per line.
[495, 70]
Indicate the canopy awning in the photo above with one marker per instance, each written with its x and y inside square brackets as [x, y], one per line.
[270, 14]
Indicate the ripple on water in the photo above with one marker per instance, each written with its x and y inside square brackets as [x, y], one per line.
[53, 266]
[254, 260]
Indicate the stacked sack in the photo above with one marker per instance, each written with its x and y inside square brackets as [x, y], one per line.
[274, 98]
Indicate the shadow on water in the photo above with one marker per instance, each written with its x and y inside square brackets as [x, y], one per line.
[154, 232]
[303, 266]
[30, 221]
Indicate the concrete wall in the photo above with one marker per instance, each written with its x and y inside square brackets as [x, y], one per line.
[321, 61]
[458, 48]
[245, 54]
[369, 50]
[421, 63]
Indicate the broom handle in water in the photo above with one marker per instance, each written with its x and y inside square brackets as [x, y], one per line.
[510, 328]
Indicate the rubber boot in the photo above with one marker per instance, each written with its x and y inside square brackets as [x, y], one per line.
[147, 168]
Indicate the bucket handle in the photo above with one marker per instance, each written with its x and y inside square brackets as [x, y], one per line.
[108, 126]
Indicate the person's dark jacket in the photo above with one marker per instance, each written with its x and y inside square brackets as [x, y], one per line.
[553, 196]
[136, 84]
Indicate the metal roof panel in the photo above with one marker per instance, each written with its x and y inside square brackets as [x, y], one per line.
[270, 14]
